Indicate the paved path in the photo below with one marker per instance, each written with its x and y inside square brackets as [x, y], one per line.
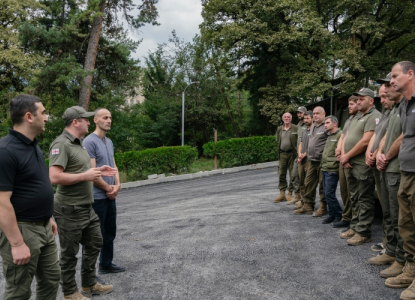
[222, 237]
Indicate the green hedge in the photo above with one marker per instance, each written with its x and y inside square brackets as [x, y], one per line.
[244, 151]
[139, 164]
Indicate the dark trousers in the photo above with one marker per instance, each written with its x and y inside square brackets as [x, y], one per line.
[107, 213]
[406, 222]
[330, 181]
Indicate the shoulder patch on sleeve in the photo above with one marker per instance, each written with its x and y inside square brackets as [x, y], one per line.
[55, 151]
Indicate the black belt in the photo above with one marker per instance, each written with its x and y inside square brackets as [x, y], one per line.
[39, 223]
[286, 151]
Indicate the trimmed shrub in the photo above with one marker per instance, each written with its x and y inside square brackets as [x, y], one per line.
[243, 151]
[138, 164]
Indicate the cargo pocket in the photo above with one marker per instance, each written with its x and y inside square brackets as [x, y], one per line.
[394, 179]
[16, 274]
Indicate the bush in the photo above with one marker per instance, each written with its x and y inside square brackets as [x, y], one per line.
[244, 151]
[138, 164]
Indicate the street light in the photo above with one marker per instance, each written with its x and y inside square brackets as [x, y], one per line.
[183, 110]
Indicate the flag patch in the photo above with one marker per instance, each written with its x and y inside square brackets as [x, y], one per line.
[55, 151]
[377, 121]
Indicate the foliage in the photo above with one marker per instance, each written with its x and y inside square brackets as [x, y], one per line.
[295, 52]
[243, 151]
[155, 161]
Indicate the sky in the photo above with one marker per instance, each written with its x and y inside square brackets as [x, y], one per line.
[184, 16]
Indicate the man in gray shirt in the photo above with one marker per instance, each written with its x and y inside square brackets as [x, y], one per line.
[316, 143]
[101, 152]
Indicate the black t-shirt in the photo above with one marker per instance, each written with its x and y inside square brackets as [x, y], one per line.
[23, 171]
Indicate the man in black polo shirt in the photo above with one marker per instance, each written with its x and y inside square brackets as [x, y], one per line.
[27, 244]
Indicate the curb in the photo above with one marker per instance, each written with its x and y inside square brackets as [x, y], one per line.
[198, 175]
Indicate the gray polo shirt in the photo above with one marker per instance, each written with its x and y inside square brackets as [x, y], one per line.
[304, 139]
[300, 130]
[407, 150]
[393, 130]
[286, 140]
[317, 141]
[380, 130]
[103, 152]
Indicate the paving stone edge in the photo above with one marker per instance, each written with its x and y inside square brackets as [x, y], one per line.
[198, 175]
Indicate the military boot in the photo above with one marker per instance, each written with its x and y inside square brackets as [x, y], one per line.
[97, 289]
[321, 211]
[357, 240]
[382, 259]
[306, 209]
[347, 234]
[281, 198]
[75, 296]
[290, 196]
[298, 204]
[409, 293]
[293, 200]
[394, 270]
[403, 280]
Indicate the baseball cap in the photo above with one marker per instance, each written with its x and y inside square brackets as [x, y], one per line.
[365, 92]
[302, 109]
[76, 112]
[387, 79]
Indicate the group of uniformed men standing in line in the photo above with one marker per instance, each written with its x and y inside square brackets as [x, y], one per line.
[373, 149]
[83, 206]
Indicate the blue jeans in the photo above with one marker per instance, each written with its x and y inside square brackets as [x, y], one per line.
[107, 213]
[330, 181]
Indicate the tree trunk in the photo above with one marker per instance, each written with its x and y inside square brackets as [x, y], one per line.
[90, 58]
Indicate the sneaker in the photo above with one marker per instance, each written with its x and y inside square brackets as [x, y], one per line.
[97, 289]
[394, 270]
[112, 269]
[403, 280]
[357, 240]
[382, 259]
[328, 220]
[377, 247]
[347, 234]
[75, 296]
[341, 224]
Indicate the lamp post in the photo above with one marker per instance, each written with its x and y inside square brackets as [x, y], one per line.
[183, 110]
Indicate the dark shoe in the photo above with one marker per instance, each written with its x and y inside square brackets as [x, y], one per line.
[112, 269]
[344, 230]
[328, 220]
[341, 224]
[99, 279]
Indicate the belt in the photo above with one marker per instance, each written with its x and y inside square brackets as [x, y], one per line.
[286, 151]
[38, 223]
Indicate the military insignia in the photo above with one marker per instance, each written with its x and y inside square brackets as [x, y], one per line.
[377, 121]
[55, 151]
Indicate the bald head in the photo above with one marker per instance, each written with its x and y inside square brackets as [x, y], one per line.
[319, 114]
[103, 120]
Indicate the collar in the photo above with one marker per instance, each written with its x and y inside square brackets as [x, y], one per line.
[359, 114]
[22, 137]
[338, 129]
[315, 124]
[70, 137]
[283, 127]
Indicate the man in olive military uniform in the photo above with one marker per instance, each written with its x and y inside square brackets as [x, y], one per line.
[403, 81]
[303, 163]
[360, 177]
[70, 168]
[27, 230]
[371, 152]
[296, 180]
[344, 186]
[387, 162]
[287, 151]
[316, 143]
[330, 169]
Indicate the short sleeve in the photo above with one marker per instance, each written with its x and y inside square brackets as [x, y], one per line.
[8, 169]
[89, 145]
[372, 122]
[58, 155]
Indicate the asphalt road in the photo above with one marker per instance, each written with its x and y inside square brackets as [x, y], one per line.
[222, 237]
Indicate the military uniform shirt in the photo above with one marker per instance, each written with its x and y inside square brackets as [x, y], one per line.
[407, 150]
[286, 140]
[317, 141]
[393, 130]
[300, 130]
[68, 152]
[329, 161]
[359, 125]
[305, 136]
[380, 130]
